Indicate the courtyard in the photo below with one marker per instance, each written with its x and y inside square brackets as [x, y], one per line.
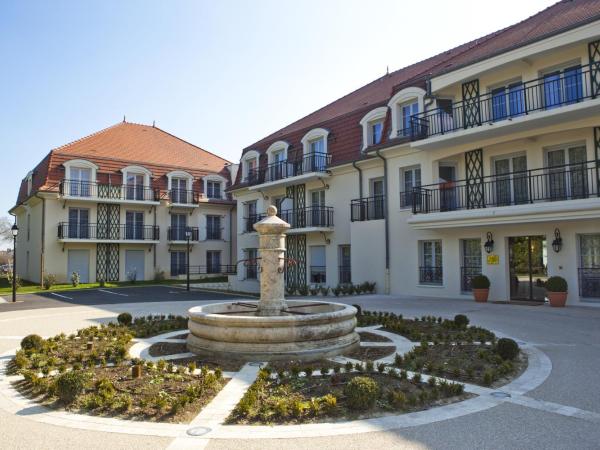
[553, 404]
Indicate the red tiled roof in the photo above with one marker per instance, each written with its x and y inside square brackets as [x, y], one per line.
[127, 144]
[557, 18]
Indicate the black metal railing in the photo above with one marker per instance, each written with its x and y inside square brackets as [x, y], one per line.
[89, 189]
[95, 231]
[370, 208]
[344, 274]
[179, 233]
[589, 282]
[430, 275]
[220, 269]
[466, 276]
[311, 216]
[318, 274]
[566, 182]
[183, 196]
[569, 87]
[250, 221]
[311, 162]
[213, 233]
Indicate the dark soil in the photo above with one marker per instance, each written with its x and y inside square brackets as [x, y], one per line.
[365, 336]
[371, 353]
[181, 336]
[223, 364]
[167, 348]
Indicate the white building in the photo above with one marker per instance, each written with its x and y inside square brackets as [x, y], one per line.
[406, 180]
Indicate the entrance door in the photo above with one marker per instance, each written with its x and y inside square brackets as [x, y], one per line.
[528, 267]
[447, 174]
[134, 264]
[79, 261]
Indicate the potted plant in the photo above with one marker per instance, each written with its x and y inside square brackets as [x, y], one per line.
[481, 288]
[556, 289]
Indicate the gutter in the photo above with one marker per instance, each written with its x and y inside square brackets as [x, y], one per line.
[43, 250]
[231, 234]
[387, 223]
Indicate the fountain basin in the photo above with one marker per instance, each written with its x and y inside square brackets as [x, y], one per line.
[305, 330]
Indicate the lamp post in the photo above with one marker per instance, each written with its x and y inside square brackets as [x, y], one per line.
[14, 230]
[188, 235]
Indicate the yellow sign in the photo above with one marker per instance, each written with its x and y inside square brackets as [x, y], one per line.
[493, 260]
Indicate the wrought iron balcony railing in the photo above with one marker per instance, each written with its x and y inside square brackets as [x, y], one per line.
[312, 216]
[183, 196]
[95, 231]
[311, 162]
[565, 182]
[318, 274]
[179, 233]
[370, 208]
[556, 90]
[216, 269]
[430, 275]
[466, 276]
[93, 190]
[344, 275]
[589, 282]
[250, 221]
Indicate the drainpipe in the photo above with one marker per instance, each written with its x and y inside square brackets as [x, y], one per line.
[387, 223]
[42, 254]
[360, 179]
[231, 234]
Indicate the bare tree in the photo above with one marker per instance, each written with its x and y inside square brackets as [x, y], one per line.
[5, 226]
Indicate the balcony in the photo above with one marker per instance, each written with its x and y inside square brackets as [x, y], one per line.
[311, 164]
[183, 197]
[178, 234]
[214, 269]
[549, 94]
[545, 194]
[69, 231]
[248, 225]
[369, 208]
[312, 218]
[108, 193]
[589, 282]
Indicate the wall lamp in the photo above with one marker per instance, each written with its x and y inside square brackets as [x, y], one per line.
[557, 242]
[489, 244]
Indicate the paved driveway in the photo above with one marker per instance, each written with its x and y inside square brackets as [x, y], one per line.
[569, 336]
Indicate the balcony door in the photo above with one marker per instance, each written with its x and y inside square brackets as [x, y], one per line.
[567, 174]
[345, 268]
[135, 186]
[317, 210]
[79, 223]
[377, 193]
[213, 261]
[528, 267]
[178, 227]
[447, 175]
[179, 191]
[511, 180]
[134, 225]
[563, 87]
[80, 182]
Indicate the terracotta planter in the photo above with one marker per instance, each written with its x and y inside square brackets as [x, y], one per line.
[481, 295]
[557, 299]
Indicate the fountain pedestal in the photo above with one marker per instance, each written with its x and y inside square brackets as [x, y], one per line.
[272, 329]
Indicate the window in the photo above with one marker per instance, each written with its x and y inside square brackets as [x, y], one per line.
[511, 185]
[430, 271]
[567, 177]
[318, 212]
[251, 170]
[317, 264]
[563, 87]
[376, 206]
[372, 126]
[178, 263]
[317, 145]
[213, 227]
[507, 101]
[179, 191]
[213, 189]
[345, 265]
[251, 264]
[251, 216]
[407, 111]
[213, 261]
[134, 225]
[178, 227]
[471, 262]
[78, 223]
[135, 186]
[411, 178]
[80, 182]
[376, 132]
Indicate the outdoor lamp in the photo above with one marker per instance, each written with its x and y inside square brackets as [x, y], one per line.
[188, 233]
[489, 244]
[14, 230]
[557, 242]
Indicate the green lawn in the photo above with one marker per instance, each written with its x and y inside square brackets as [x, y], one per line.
[31, 288]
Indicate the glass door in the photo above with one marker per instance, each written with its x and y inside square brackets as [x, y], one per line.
[511, 180]
[317, 203]
[471, 262]
[528, 268]
[447, 176]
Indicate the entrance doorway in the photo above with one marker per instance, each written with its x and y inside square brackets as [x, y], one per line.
[528, 267]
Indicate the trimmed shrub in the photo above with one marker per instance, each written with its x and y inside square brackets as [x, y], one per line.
[556, 284]
[461, 321]
[480, 282]
[507, 348]
[71, 384]
[49, 280]
[75, 279]
[361, 393]
[32, 342]
[124, 319]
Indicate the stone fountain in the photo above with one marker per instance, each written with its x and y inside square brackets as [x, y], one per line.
[272, 328]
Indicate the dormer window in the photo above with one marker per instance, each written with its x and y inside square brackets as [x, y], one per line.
[404, 105]
[408, 110]
[80, 178]
[136, 180]
[29, 183]
[250, 167]
[372, 124]
[180, 187]
[213, 189]
[317, 145]
[376, 129]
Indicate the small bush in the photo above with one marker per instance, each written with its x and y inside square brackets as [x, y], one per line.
[488, 377]
[49, 280]
[124, 319]
[480, 282]
[361, 393]
[556, 284]
[507, 348]
[32, 342]
[71, 384]
[159, 275]
[461, 321]
[75, 279]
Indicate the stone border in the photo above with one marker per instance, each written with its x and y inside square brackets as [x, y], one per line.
[205, 427]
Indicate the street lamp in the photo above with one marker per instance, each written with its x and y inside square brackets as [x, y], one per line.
[14, 230]
[188, 236]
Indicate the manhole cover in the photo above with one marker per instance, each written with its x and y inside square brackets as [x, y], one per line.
[500, 394]
[198, 431]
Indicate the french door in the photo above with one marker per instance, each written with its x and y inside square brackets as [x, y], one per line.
[567, 177]
[511, 180]
[134, 225]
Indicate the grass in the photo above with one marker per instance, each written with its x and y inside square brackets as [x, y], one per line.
[34, 288]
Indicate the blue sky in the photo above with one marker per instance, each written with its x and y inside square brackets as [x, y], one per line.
[221, 74]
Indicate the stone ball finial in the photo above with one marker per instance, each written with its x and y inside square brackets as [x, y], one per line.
[271, 211]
